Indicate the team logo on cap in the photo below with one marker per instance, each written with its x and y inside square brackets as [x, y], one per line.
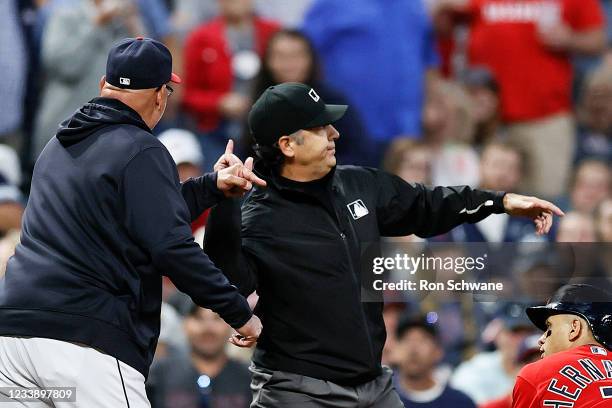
[124, 81]
[314, 95]
[358, 209]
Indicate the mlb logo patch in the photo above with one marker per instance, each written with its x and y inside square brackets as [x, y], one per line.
[315, 97]
[124, 81]
[358, 209]
[599, 350]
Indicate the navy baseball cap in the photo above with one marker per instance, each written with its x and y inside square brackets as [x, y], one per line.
[139, 63]
[286, 108]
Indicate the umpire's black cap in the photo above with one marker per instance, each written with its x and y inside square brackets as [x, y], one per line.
[139, 63]
[589, 302]
[286, 108]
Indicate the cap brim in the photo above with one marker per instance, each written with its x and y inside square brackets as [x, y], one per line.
[175, 78]
[331, 114]
[539, 314]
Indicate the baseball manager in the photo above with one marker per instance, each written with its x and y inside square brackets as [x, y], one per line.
[300, 244]
[80, 301]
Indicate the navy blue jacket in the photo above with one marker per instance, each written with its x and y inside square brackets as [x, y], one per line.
[106, 218]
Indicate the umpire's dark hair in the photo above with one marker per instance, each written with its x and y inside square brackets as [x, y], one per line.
[270, 156]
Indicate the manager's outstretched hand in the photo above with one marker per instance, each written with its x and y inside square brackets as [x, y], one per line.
[233, 177]
[540, 211]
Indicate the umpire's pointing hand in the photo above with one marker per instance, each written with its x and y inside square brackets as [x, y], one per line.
[540, 211]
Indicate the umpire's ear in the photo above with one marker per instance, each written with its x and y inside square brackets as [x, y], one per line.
[286, 146]
[102, 82]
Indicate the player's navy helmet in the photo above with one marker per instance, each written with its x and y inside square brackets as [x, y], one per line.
[591, 303]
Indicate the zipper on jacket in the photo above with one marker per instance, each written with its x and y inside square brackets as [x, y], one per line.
[338, 225]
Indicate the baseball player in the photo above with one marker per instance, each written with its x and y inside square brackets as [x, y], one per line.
[80, 301]
[299, 244]
[576, 368]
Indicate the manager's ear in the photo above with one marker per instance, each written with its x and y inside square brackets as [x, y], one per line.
[102, 82]
[285, 144]
[159, 98]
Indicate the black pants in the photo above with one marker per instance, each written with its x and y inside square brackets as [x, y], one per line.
[274, 389]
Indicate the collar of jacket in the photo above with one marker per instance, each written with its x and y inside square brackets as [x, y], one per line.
[272, 179]
[129, 115]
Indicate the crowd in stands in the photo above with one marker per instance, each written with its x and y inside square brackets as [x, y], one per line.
[511, 95]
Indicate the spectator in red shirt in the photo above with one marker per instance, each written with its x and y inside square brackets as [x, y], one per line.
[221, 60]
[527, 45]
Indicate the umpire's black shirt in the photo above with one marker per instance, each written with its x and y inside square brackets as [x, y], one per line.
[106, 218]
[304, 262]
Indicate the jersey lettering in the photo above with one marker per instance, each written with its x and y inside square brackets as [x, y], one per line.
[563, 391]
[557, 404]
[575, 376]
[592, 369]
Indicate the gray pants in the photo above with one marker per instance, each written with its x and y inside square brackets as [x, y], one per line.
[274, 389]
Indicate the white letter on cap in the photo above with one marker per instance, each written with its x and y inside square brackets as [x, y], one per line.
[124, 81]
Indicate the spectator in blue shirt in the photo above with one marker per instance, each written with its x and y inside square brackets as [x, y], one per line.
[377, 52]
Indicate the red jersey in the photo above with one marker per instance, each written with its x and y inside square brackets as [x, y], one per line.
[535, 82]
[580, 378]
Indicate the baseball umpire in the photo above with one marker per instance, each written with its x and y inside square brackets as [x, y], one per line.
[80, 301]
[576, 346]
[300, 244]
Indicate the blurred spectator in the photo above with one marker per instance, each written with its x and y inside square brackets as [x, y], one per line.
[449, 129]
[155, 19]
[289, 13]
[594, 115]
[171, 334]
[290, 57]
[538, 275]
[185, 150]
[576, 227]
[187, 155]
[409, 159]
[501, 169]
[392, 311]
[10, 167]
[222, 58]
[490, 375]
[11, 201]
[206, 377]
[528, 352]
[30, 12]
[511, 38]
[484, 91]
[188, 14]
[501, 166]
[7, 249]
[418, 353]
[591, 185]
[603, 220]
[13, 65]
[75, 45]
[378, 53]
